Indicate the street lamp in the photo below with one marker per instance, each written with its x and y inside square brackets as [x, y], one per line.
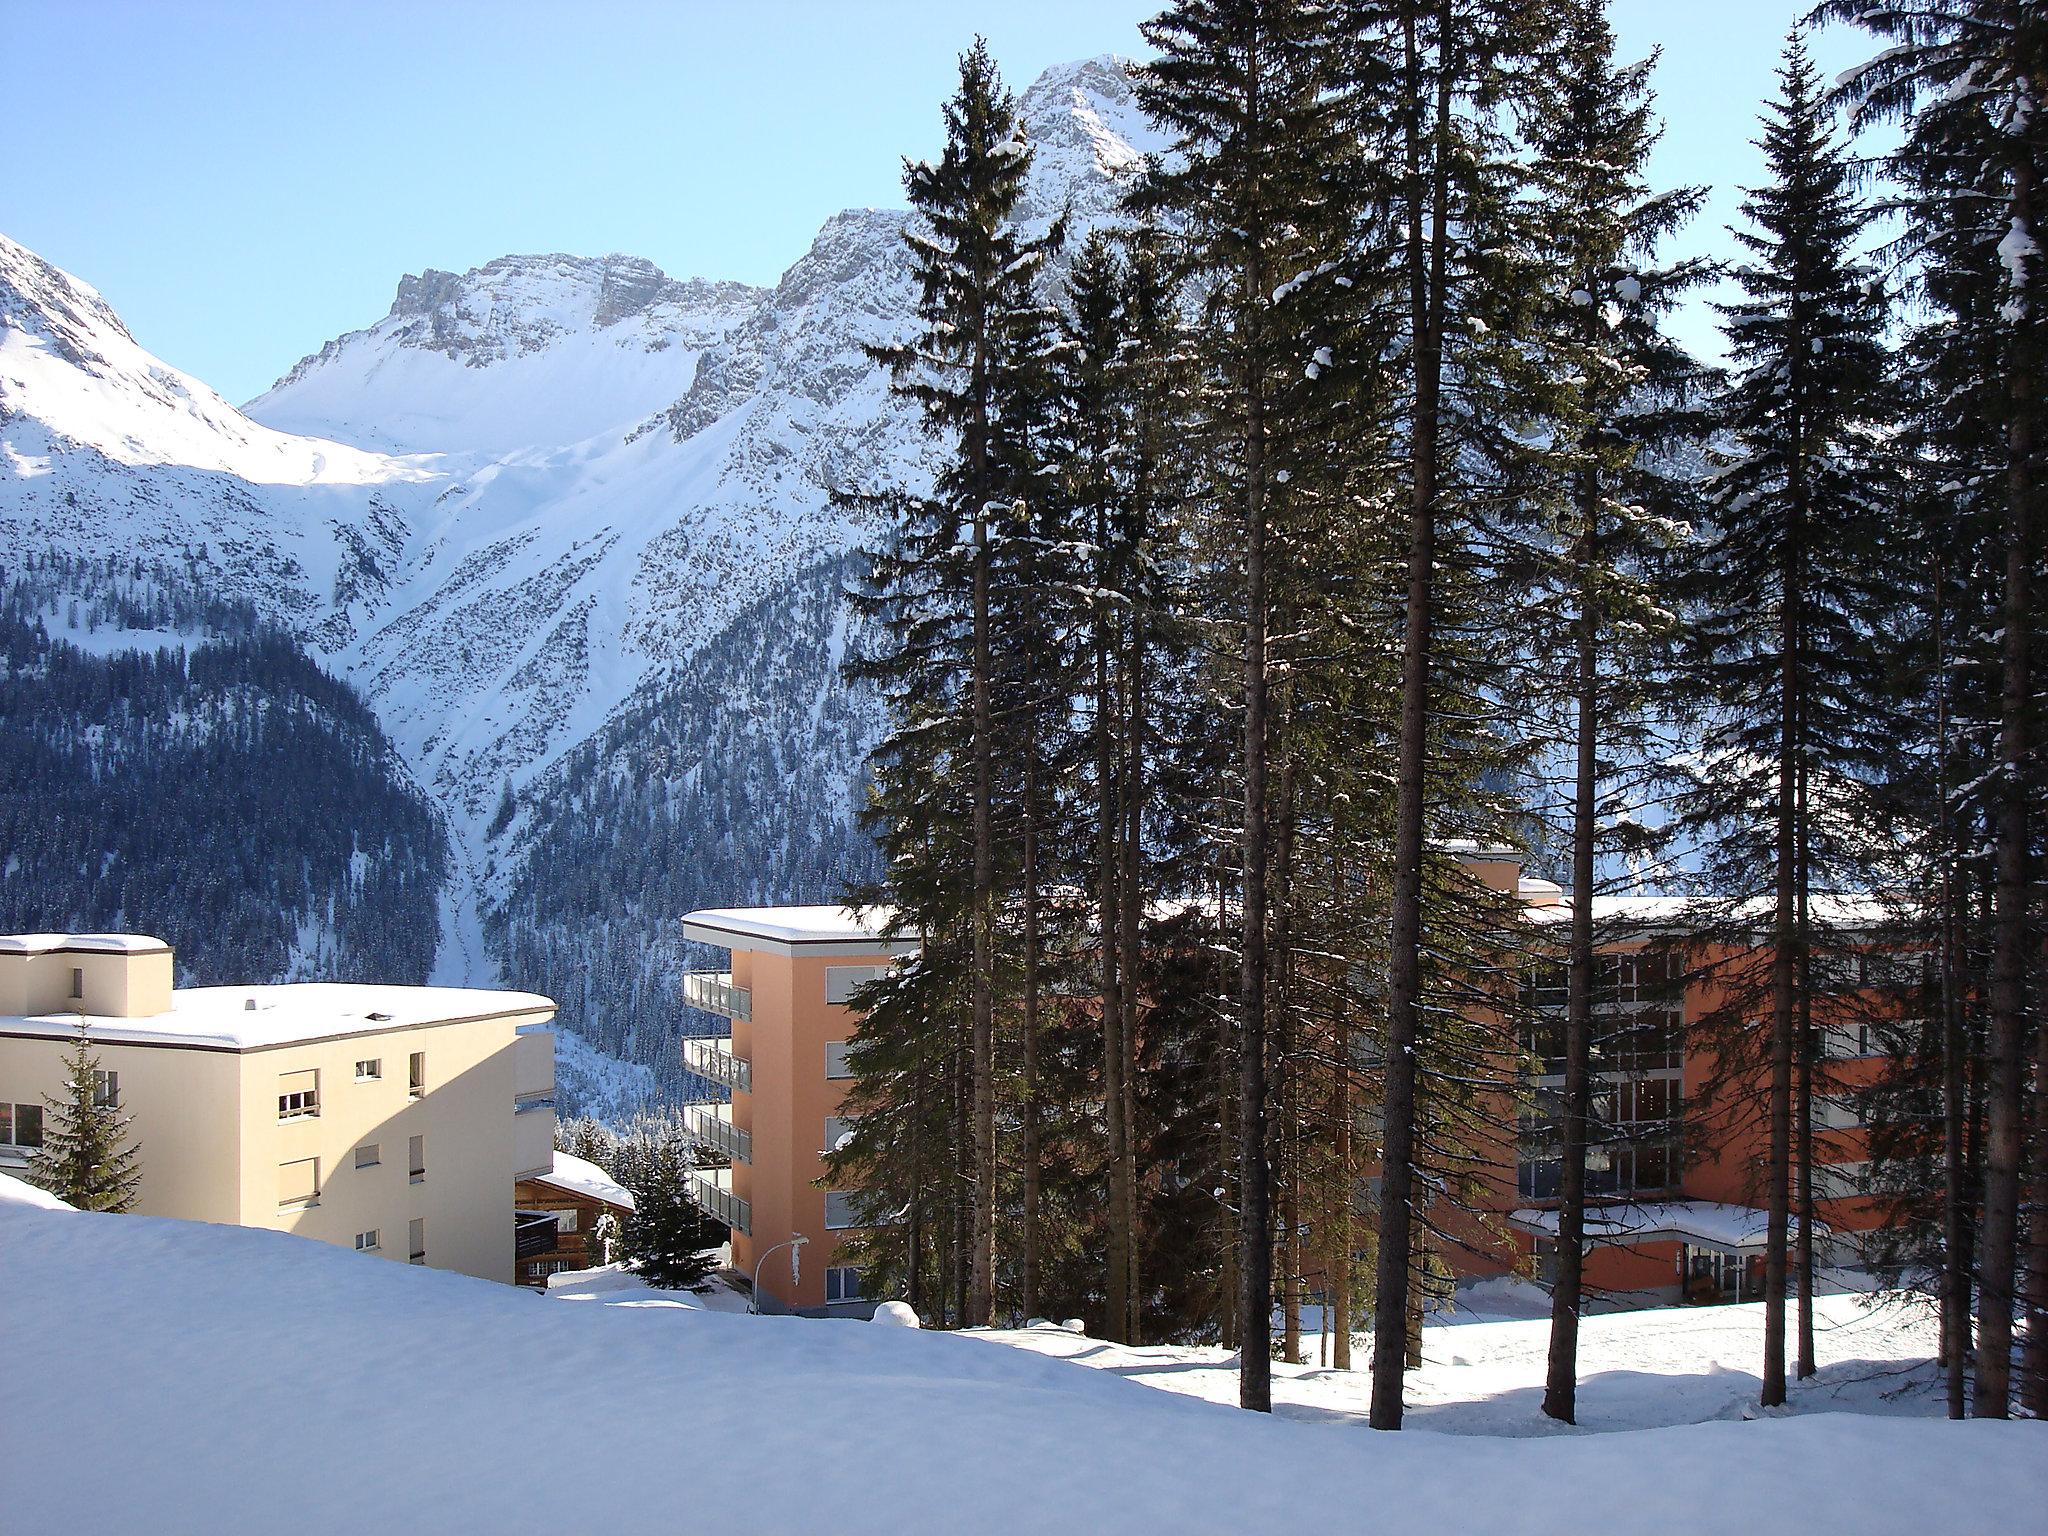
[795, 1245]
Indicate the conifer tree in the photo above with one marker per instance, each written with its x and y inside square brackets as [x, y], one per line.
[1245, 87]
[953, 592]
[1620, 403]
[1778, 653]
[1430, 80]
[669, 1239]
[86, 1158]
[1968, 79]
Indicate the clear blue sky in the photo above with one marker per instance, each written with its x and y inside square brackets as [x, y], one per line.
[244, 181]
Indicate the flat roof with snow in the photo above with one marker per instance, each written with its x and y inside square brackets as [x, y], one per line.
[788, 930]
[87, 943]
[1705, 1223]
[1839, 910]
[292, 1013]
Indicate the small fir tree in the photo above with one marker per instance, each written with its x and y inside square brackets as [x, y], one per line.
[670, 1240]
[86, 1158]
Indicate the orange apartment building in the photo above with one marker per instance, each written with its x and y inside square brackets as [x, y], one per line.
[1667, 1222]
[784, 1060]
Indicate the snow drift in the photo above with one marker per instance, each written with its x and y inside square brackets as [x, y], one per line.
[193, 1377]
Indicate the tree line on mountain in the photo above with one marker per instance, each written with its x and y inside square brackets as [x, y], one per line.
[1351, 510]
[220, 792]
[724, 785]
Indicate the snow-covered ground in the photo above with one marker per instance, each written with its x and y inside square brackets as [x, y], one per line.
[171, 1376]
[1637, 1370]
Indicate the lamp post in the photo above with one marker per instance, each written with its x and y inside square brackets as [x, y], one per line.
[796, 1274]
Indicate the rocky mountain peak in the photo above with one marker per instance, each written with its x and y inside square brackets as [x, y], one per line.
[69, 315]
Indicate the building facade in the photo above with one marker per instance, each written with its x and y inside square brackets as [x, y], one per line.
[1673, 1185]
[784, 1004]
[391, 1120]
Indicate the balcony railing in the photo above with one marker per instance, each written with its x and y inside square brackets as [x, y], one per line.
[712, 1190]
[534, 1233]
[714, 992]
[709, 1058]
[713, 1122]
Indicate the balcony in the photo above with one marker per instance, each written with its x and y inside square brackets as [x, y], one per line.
[712, 1124]
[709, 1058]
[533, 1233]
[711, 1189]
[714, 992]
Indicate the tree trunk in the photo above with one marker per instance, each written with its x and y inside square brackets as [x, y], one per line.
[1131, 892]
[2005, 1136]
[1255, 1248]
[1404, 967]
[1108, 928]
[1027, 1279]
[2019, 685]
[1808, 1046]
[1784, 1016]
[1560, 1389]
[1340, 1241]
[1286, 1089]
[982, 1283]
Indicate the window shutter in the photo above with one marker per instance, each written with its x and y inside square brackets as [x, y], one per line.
[298, 1182]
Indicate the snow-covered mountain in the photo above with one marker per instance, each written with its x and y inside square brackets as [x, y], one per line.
[583, 556]
[107, 451]
[521, 352]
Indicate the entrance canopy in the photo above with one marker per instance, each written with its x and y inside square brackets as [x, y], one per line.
[1700, 1223]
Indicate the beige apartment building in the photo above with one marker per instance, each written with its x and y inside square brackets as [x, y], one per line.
[392, 1120]
[784, 1002]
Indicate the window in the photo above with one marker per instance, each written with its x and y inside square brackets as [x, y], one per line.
[298, 1095]
[370, 1071]
[367, 1156]
[298, 1183]
[835, 1059]
[106, 1090]
[1632, 1138]
[1838, 1112]
[839, 1212]
[837, 1129]
[21, 1125]
[565, 1221]
[842, 1283]
[77, 981]
[842, 980]
[416, 1239]
[366, 1242]
[416, 1158]
[416, 1074]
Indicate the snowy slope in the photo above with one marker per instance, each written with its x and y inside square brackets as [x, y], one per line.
[1638, 1369]
[521, 352]
[108, 452]
[190, 1377]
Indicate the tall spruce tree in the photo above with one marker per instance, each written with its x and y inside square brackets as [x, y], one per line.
[1968, 79]
[1431, 80]
[1620, 404]
[1257, 182]
[952, 602]
[1780, 652]
[86, 1158]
